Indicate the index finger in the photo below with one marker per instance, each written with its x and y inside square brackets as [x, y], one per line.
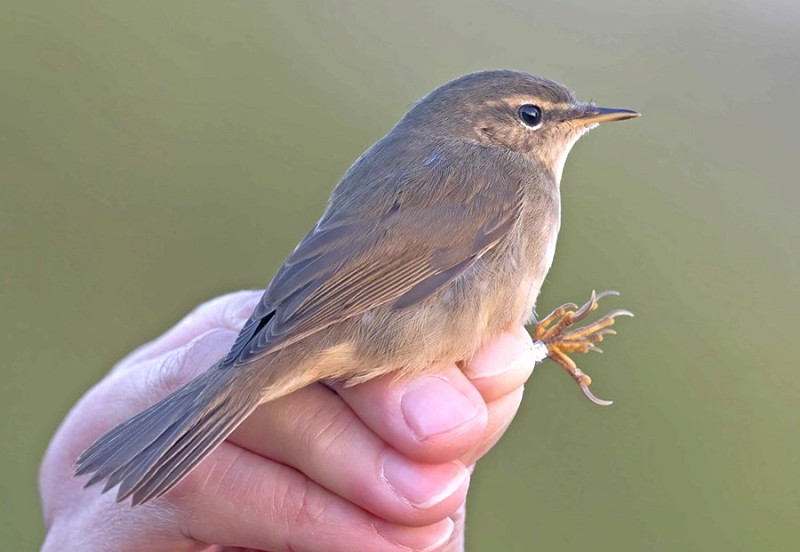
[228, 311]
[443, 415]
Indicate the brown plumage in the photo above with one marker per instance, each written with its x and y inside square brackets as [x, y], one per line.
[434, 241]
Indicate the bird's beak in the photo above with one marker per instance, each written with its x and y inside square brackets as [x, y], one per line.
[593, 115]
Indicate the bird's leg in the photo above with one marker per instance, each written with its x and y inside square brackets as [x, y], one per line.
[551, 333]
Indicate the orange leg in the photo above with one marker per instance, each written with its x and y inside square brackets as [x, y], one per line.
[551, 332]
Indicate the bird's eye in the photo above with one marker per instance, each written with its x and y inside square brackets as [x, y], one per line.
[531, 115]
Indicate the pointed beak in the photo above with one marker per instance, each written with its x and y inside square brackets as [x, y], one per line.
[593, 115]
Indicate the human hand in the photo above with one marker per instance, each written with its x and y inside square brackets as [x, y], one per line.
[382, 466]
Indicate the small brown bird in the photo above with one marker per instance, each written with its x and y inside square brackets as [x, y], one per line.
[437, 239]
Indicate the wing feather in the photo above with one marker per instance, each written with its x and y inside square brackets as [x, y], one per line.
[349, 264]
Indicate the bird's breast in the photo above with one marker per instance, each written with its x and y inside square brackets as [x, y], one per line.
[540, 223]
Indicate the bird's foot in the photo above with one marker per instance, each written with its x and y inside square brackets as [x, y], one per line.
[551, 332]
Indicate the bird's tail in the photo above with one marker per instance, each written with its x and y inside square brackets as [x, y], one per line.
[151, 452]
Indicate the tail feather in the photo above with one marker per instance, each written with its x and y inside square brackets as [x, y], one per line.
[118, 445]
[150, 453]
[164, 479]
[132, 465]
[147, 463]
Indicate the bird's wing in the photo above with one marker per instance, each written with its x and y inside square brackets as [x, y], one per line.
[350, 264]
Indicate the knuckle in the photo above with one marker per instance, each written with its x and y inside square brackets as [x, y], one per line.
[238, 307]
[229, 310]
[168, 374]
[327, 427]
[183, 364]
[301, 505]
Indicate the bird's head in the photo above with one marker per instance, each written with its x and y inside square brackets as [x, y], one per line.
[524, 113]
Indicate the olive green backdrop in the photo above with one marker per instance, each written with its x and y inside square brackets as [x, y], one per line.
[155, 154]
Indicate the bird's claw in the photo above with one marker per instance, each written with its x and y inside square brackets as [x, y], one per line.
[551, 332]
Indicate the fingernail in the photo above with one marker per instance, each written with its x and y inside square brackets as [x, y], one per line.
[422, 485]
[509, 352]
[433, 405]
[424, 539]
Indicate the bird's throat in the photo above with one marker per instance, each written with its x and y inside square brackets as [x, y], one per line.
[559, 157]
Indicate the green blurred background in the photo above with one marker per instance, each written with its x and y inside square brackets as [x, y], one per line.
[157, 154]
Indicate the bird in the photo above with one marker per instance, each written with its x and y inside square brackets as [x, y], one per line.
[436, 239]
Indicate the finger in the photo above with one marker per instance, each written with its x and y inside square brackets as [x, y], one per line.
[443, 416]
[242, 499]
[238, 499]
[434, 418]
[133, 388]
[503, 366]
[499, 372]
[367, 473]
[115, 399]
[314, 431]
[229, 312]
[501, 414]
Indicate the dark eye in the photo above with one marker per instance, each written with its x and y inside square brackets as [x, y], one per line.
[531, 115]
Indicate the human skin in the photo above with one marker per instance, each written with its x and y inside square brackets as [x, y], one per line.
[382, 466]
